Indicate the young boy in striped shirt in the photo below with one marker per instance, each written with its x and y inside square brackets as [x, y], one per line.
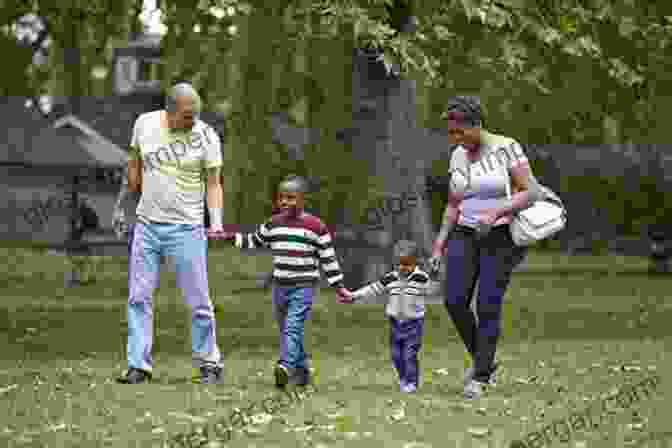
[406, 288]
[300, 242]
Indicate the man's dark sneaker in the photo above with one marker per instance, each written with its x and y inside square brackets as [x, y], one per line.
[302, 377]
[281, 376]
[135, 376]
[211, 374]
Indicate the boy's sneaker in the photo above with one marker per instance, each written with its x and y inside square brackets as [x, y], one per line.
[302, 377]
[281, 376]
[211, 374]
[135, 376]
[473, 390]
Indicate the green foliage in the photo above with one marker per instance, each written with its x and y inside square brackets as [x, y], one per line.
[562, 71]
[630, 205]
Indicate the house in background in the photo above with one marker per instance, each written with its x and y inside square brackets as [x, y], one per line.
[43, 150]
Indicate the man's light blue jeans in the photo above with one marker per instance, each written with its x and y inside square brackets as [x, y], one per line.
[187, 245]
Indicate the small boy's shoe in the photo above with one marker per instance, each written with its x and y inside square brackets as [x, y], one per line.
[408, 388]
[211, 374]
[135, 376]
[281, 376]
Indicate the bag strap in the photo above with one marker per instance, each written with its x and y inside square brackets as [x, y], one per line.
[508, 184]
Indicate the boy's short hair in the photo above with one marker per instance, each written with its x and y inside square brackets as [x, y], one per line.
[294, 183]
[405, 248]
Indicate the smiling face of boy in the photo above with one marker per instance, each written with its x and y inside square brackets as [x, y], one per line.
[290, 202]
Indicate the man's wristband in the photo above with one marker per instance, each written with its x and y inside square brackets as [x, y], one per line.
[215, 217]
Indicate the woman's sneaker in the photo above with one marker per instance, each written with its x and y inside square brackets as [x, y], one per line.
[469, 375]
[473, 390]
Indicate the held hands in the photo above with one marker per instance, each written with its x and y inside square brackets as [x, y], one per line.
[435, 259]
[435, 264]
[344, 295]
[217, 233]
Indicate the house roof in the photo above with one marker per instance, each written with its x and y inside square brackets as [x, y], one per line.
[72, 143]
[113, 116]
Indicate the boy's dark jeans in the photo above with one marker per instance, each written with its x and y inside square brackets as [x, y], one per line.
[405, 344]
[490, 260]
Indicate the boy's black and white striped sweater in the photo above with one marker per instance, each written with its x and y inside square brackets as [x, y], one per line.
[300, 245]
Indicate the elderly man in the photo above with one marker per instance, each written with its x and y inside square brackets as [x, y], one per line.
[173, 155]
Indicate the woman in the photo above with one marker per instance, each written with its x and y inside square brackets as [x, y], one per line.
[475, 232]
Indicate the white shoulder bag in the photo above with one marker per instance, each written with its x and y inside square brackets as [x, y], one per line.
[541, 220]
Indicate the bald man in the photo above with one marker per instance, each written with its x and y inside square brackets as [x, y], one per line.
[175, 157]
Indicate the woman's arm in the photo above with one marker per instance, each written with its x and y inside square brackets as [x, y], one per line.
[450, 215]
[523, 191]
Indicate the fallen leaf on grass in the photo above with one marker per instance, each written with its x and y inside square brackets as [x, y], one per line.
[304, 428]
[184, 416]
[8, 388]
[635, 426]
[442, 372]
[398, 415]
[478, 432]
[529, 380]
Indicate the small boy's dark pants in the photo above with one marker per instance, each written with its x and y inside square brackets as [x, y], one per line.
[490, 260]
[405, 343]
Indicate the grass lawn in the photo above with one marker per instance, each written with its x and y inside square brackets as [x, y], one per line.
[570, 335]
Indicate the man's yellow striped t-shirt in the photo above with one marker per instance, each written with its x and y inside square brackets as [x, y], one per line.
[175, 164]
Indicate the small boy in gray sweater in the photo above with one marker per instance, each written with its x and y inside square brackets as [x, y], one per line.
[406, 289]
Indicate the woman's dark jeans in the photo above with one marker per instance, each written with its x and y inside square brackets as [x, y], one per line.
[490, 260]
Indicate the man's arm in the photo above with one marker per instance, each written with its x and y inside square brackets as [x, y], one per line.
[215, 198]
[134, 170]
[125, 199]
